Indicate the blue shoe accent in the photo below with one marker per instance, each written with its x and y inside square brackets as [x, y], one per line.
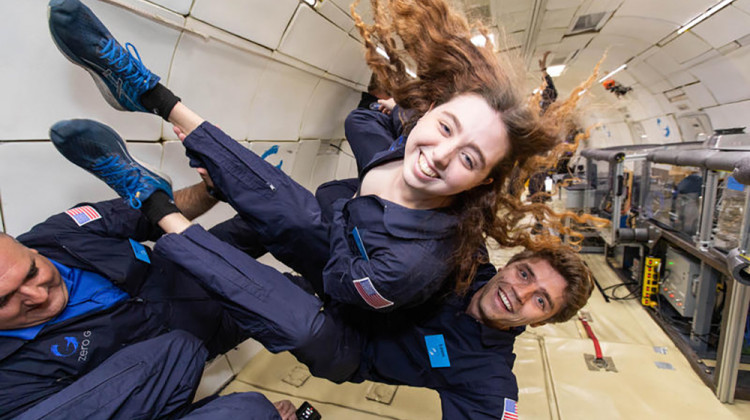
[85, 41]
[100, 150]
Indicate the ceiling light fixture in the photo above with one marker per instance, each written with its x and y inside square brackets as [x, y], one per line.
[555, 71]
[311, 2]
[704, 15]
[481, 40]
[612, 73]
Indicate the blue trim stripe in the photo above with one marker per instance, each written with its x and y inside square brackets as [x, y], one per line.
[360, 245]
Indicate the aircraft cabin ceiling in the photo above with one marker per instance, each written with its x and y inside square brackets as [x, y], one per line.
[672, 75]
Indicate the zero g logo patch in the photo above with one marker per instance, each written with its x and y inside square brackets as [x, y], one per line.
[71, 345]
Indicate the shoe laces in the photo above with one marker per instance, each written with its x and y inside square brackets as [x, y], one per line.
[121, 176]
[127, 63]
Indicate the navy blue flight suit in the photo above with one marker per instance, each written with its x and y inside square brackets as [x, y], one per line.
[390, 349]
[403, 255]
[163, 297]
[369, 132]
[155, 378]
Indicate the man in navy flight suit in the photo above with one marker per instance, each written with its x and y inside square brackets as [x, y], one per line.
[84, 307]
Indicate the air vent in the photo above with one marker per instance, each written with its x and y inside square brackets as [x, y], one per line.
[676, 95]
[588, 23]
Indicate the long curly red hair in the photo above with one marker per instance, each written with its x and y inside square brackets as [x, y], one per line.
[435, 41]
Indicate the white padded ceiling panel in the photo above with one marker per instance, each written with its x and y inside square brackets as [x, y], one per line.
[686, 47]
[512, 40]
[663, 63]
[562, 4]
[644, 73]
[626, 44]
[743, 5]
[681, 78]
[346, 166]
[515, 21]
[679, 12]
[312, 39]
[723, 76]
[659, 86]
[350, 63]
[699, 95]
[279, 103]
[642, 104]
[218, 81]
[725, 26]
[510, 6]
[326, 161]
[260, 21]
[305, 162]
[550, 36]
[180, 6]
[646, 29]
[730, 116]
[69, 91]
[559, 18]
[325, 113]
[57, 184]
[597, 6]
[574, 42]
[336, 15]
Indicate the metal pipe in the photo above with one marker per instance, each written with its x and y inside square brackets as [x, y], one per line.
[708, 203]
[731, 351]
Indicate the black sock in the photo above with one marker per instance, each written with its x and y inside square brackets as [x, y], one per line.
[159, 100]
[157, 206]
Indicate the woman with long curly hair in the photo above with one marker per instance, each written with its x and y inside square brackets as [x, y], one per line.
[423, 211]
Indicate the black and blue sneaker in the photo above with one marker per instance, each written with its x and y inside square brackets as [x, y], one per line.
[98, 149]
[84, 40]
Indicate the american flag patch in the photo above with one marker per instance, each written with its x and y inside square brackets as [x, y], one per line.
[83, 214]
[509, 410]
[368, 292]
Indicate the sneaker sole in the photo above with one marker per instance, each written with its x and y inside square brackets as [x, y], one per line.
[124, 152]
[98, 81]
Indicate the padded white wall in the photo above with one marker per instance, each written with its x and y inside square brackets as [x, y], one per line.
[279, 73]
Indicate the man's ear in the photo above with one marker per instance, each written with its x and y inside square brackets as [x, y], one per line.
[487, 181]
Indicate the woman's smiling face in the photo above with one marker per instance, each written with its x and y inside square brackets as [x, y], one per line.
[453, 148]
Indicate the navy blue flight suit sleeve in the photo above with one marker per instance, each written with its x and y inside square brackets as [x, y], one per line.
[155, 378]
[285, 214]
[100, 244]
[369, 132]
[241, 235]
[267, 305]
[240, 405]
[118, 220]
